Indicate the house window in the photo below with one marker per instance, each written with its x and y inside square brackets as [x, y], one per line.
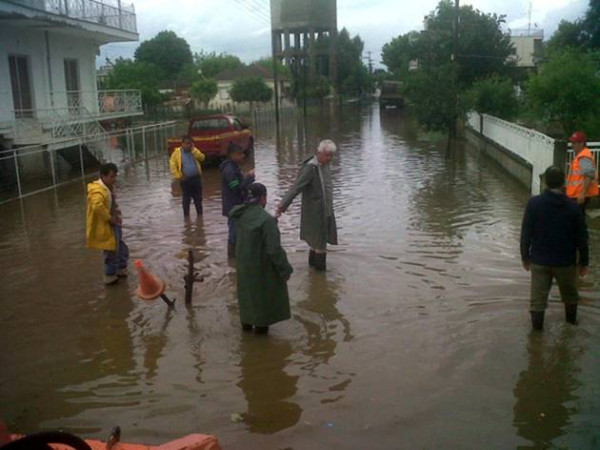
[21, 85]
[224, 93]
[72, 85]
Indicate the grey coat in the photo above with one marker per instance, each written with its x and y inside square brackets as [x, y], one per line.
[317, 223]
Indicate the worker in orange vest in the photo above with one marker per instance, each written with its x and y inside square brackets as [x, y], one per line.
[582, 182]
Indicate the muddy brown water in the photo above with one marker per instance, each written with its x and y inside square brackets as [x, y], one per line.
[416, 337]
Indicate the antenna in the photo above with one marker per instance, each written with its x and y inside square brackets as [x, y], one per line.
[529, 18]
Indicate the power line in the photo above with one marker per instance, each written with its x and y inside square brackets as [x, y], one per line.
[256, 10]
[253, 13]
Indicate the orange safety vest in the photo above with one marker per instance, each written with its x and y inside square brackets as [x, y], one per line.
[575, 178]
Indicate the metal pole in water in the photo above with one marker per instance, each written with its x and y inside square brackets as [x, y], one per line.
[190, 278]
[18, 173]
[52, 159]
[81, 161]
[144, 143]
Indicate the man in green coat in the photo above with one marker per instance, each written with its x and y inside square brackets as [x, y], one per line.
[262, 265]
[317, 222]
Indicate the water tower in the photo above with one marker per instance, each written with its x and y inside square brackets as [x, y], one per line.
[304, 33]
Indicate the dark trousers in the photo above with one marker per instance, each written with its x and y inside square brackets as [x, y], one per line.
[231, 238]
[192, 190]
[116, 260]
[541, 283]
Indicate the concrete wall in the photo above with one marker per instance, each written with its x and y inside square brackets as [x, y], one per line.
[524, 153]
[43, 49]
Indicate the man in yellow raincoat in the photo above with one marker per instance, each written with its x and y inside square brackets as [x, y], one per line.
[103, 224]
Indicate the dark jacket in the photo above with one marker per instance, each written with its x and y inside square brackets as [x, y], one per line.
[233, 184]
[553, 231]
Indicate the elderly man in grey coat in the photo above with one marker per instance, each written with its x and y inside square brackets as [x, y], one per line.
[317, 223]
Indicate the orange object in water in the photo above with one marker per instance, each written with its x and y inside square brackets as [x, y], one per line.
[150, 287]
[190, 442]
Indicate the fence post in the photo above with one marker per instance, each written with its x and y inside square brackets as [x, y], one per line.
[156, 140]
[144, 143]
[560, 154]
[51, 154]
[18, 173]
[81, 161]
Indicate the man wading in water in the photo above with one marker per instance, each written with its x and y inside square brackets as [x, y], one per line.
[317, 224]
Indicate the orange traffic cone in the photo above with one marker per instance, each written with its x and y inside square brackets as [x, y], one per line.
[150, 287]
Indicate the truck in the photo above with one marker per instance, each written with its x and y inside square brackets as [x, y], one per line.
[212, 135]
[391, 94]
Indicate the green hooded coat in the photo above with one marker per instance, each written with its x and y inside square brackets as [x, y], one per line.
[317, 222]
[262, 267]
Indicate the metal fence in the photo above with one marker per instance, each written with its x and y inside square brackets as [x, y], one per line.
[27, 170]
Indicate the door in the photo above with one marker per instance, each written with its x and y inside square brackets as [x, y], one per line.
[20, 81]
[72, 85]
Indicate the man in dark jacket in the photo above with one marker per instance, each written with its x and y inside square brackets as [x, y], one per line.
[552, 234]
[233, 185]
[261, 264]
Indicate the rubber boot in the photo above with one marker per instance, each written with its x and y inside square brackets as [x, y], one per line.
[261, 330]
[231, 250]
[537, 320]
[311, 258]
[571, 314]
[320, 262]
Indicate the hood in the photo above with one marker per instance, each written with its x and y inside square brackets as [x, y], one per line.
[238, 210]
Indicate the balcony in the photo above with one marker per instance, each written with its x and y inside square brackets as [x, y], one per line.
[70, 114]
[97, 14]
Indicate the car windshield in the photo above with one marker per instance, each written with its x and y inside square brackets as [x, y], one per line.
[214, 124]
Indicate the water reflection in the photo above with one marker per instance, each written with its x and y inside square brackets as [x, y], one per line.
[545, 391]
[154, 346]
[266, 385]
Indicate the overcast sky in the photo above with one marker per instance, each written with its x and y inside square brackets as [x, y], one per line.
[241, 27]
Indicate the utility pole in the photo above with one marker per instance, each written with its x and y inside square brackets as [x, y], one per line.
[370, 62]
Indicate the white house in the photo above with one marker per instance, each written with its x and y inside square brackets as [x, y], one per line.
[527, 47]
[48, 88]
[223, 102]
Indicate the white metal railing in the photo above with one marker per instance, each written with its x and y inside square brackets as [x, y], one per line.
[104, 103]
[533, 146]
[109, 13]
[28, 170]
[527, 32]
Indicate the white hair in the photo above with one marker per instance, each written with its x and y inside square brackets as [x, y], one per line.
[326, 145]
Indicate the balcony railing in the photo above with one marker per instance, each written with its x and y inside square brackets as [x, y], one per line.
[101, 103]
[105, 12]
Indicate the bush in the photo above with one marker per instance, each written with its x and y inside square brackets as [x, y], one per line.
[495, 96]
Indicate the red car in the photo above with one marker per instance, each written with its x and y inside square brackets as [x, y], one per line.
[213, 134]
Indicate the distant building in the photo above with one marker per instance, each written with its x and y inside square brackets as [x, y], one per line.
[225, 80]
[48, 79]
[527, 47]
[304, 33]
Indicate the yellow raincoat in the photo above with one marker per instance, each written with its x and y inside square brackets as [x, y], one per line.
[99, 231]
[175, 162]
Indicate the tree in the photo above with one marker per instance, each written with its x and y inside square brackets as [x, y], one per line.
[211, 64]
[250, 89]
[399, 52]
[495, 96]
[568, 34]
[127, 74]
[204, 90]
[352, 75]
[169, 53]
[567, 90]
[433, 95]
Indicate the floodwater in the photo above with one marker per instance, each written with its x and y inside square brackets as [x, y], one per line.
[417, 336]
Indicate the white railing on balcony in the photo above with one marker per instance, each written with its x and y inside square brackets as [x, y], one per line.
[104, 12]
[103, 103]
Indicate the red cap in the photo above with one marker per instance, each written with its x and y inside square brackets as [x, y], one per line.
[578, 136]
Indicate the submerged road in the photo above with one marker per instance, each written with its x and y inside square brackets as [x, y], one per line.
[418, 336]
